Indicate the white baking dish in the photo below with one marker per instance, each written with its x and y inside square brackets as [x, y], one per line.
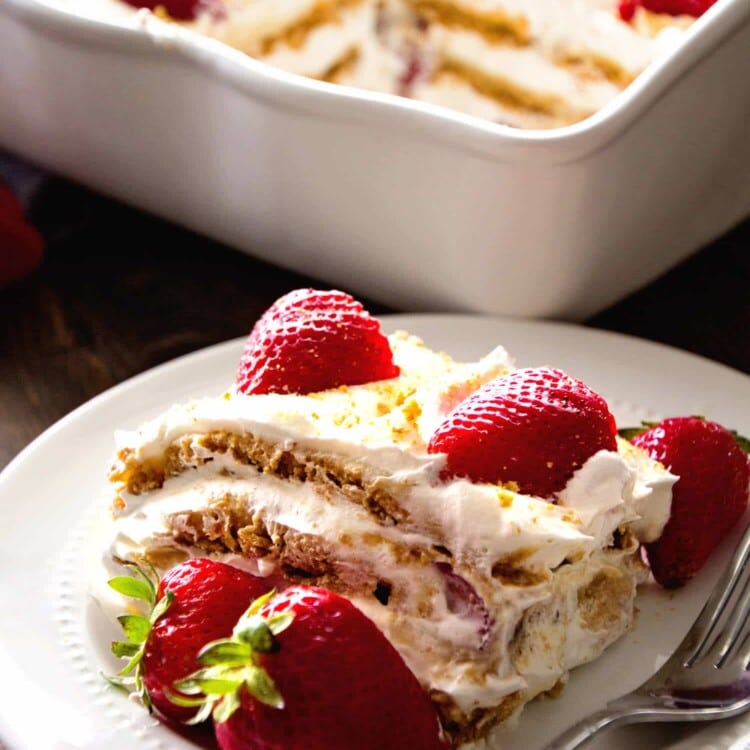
[410, 204]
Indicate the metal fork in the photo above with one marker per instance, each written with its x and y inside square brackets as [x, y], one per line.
[707, 676]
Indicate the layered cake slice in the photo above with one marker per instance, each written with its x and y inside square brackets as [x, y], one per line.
[540, 63]
[486, 519]
[524, 63]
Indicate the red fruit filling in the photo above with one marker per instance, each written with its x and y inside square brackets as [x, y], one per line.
[696, 8]
[462, 599]
[183, 10]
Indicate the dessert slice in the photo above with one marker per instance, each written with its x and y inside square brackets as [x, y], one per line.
[525, 63]
[490, 588]
[540, 63]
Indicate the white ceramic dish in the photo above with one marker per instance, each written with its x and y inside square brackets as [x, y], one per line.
[407, 203]
[54, 636]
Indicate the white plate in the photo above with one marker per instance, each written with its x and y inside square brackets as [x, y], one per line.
[54, 637]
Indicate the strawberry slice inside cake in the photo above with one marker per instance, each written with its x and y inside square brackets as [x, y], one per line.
[488, 520]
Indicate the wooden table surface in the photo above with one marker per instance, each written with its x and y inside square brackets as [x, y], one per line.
[120, 292]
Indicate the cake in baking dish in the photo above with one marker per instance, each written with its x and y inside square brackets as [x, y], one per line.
[491, 587]
[524, 63]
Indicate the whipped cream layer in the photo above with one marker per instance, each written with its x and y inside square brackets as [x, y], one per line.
[523, 63]
[392, 419]
[464, 563]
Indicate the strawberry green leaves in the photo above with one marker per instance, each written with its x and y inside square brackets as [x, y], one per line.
[138, 586]
[743, 442]
[343, 684]
[227, 665]
[197, 601]
[136, 628]
[628, 433]
[231, 664]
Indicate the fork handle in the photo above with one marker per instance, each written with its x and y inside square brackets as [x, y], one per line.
[584, 730]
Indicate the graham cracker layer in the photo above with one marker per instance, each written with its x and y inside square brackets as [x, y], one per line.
[228, 525]
[136, 476]
[493, 24]
[462, 727]
[322, 13]
[502, 90]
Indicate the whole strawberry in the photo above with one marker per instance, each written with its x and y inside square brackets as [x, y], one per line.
[21, 246]
[534, 427]
[306, 670]
[709, 497]
[196, 602]
[311, 340]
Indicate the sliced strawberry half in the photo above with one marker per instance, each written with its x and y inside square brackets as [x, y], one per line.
[312, 340]
[709, 497]
[534, 427]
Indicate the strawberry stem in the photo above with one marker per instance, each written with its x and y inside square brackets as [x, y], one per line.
[231, 665]
[628, 433]
[256, 634]
[742, 441]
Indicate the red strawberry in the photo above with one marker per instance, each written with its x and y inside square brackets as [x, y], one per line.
[627, 9]
[311, 672]
[709, 497]
[183, 10]
[311, 340]
[196, 602]
[21, 246]
[10, 206]
[694, 8]
[534, 427]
